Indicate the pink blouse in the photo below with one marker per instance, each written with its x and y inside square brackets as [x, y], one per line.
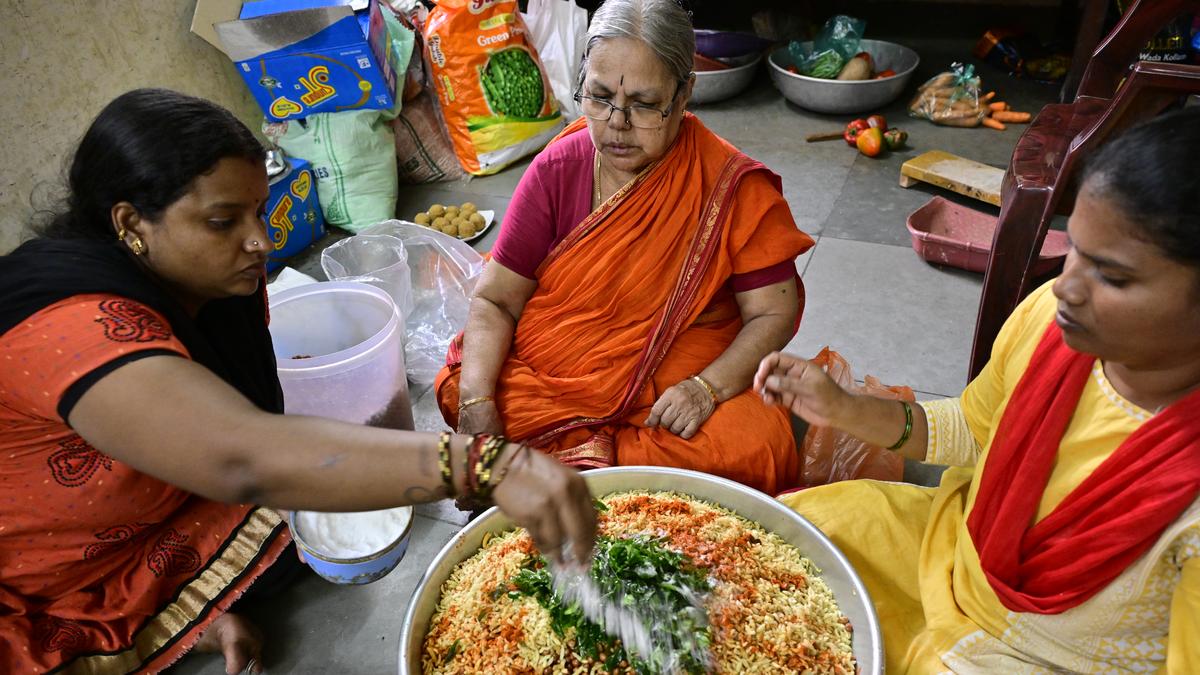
[555, 195]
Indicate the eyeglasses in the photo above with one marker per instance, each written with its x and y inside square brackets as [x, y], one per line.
[640, 116]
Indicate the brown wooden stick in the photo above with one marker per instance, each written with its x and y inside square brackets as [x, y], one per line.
[828, 136]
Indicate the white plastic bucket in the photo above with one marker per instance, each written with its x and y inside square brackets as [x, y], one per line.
[339, 348]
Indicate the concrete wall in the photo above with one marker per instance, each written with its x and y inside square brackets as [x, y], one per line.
[61, 62]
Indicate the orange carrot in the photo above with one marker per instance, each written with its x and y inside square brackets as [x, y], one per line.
[1011, 116]
[998, 106]
[987, 97]
[989, 122]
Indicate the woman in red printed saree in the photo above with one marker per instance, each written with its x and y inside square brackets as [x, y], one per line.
[1065, 536]
[140, 432]
[644, 268]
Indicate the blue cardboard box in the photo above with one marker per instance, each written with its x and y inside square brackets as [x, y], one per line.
[299, 58]
[293, 215]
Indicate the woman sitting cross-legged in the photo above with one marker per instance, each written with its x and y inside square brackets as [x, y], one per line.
[644, 268]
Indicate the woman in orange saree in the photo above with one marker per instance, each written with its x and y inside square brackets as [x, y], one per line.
[144, 449]
[626, 329]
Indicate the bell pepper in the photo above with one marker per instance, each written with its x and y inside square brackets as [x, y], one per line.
[870, 142]
[853, 129]
[885, 73]
[895, 139]
[877, 122]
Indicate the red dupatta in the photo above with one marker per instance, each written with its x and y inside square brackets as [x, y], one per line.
[1112, 518]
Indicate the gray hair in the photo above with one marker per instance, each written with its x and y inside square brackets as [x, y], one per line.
[662, 25]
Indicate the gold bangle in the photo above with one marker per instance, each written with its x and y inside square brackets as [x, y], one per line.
[470, 402]
[707, 387]
[443, 447]
[512, 460]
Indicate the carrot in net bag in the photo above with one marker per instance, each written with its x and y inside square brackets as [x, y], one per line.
[953, 98]
[491, 85]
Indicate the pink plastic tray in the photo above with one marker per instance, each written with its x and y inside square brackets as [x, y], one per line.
[946, 233]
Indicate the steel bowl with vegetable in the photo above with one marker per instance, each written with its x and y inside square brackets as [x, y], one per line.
[730, 79]
[684, 530]
[890, 66]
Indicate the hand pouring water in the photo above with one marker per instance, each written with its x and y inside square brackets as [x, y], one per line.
[644, 630]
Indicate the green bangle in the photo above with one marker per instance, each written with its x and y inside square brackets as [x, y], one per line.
[907, 427]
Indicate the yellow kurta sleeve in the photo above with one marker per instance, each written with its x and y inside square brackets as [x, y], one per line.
[1183, 637]
[950, 438]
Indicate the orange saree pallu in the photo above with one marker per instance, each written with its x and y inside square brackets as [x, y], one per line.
[634, 300]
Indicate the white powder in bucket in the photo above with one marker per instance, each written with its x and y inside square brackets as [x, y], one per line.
[351, 535]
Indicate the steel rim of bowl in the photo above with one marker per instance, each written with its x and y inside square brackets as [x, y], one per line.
[805, 78]
[731, 69]
[858, 587]
[307, 548]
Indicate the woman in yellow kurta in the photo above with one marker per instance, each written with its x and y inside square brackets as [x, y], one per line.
[1066, 534]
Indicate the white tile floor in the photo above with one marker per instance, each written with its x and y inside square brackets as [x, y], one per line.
[869, 296]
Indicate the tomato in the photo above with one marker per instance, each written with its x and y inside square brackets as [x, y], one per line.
[870, 142]
[877, 122]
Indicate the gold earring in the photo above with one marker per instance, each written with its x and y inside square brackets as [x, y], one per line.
[137, 247]
[121, 234]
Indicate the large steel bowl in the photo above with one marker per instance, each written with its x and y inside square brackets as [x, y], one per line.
[718, 85]
[848, 589]
[847, 96]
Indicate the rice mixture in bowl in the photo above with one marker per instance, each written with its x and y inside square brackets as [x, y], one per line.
[768, 609]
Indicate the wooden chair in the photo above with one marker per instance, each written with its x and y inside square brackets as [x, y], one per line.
[1038, 182]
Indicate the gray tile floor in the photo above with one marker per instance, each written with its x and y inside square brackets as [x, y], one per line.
[869, 297]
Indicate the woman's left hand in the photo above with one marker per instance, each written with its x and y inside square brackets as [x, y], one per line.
[682, 409]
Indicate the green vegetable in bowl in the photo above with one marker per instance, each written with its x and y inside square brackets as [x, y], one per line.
[512, 83]
[825, 65]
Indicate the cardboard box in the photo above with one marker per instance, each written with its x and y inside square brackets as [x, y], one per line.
[299, 59]
[293, 216]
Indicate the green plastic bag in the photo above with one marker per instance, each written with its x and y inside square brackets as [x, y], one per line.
[836, 44]
[400, 42]
[353, 155]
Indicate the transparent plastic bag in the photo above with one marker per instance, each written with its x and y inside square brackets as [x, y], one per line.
[376, 259]
[829, 455]
[952, 98]
[443, 272]
[835, 45]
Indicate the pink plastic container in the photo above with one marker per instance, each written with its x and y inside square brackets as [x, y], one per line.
[946, 233]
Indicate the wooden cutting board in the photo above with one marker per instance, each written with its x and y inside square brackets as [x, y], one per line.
[957, 174]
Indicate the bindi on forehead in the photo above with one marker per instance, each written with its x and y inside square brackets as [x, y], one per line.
[653, 93]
